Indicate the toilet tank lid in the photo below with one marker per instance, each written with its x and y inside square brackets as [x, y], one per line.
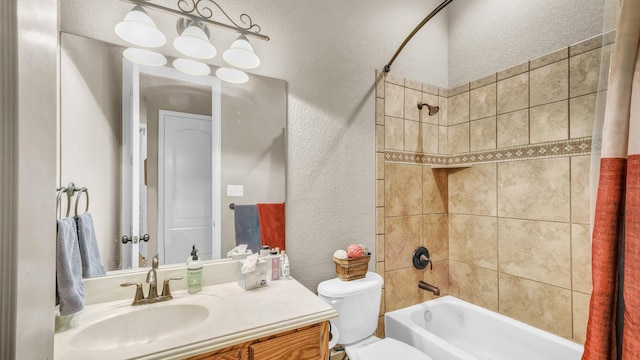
[337, 288]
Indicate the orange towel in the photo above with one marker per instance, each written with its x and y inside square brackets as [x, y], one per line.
[272, 225]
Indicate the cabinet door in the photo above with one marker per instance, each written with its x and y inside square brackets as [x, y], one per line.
[305, 344]
[235, 354]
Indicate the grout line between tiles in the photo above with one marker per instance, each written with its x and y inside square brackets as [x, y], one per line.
[529, 103]
[569, 99]
[498, 235]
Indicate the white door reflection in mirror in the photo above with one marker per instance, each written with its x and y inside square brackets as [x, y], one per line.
[185, 191]
[189, 202]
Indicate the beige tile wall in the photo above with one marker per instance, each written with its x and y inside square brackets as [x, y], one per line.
[510, 236]
[411, 199]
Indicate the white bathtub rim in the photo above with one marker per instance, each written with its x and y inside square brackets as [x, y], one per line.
[399, 316]
[404, 315]
[530, 328]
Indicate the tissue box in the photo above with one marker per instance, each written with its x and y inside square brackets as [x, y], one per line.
[241, 256]
[255, 279]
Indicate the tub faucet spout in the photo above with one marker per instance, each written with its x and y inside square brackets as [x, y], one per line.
[428, 287]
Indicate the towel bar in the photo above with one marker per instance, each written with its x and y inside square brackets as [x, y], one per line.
[70, 190]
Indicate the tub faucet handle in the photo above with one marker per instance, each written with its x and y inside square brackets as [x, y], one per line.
[421, 258]
[427, 260]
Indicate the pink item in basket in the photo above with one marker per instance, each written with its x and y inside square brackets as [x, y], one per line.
[354, 251]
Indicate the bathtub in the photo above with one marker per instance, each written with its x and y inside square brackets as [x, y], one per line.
[448, 328]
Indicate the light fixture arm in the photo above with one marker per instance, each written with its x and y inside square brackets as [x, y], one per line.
[200, 10]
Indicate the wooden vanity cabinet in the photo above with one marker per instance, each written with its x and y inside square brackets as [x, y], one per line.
[306, 343]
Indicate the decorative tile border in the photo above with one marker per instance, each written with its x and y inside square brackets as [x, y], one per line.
[553, 149]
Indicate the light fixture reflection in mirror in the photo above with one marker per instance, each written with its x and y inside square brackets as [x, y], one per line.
[191, 67]
[233, 76]
[144, 57]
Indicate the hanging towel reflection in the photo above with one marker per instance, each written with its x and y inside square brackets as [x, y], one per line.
[272, 224]
[247, 226]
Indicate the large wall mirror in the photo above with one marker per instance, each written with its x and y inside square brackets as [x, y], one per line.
[158, 159]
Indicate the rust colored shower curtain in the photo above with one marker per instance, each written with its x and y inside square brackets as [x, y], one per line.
[616, 232]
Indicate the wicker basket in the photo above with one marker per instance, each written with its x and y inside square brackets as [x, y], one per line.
[352, 268]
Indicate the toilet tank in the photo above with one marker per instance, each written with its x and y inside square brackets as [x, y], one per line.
[357, 303]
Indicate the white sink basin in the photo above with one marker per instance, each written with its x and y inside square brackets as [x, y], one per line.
[139, 326]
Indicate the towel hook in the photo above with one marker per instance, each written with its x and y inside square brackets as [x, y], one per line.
[86, 192]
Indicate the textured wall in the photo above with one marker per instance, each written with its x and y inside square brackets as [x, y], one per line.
[491, 35]
[327, 51]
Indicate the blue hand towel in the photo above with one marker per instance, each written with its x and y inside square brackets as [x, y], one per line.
[247, 225]
[69, 268]
[89, 252]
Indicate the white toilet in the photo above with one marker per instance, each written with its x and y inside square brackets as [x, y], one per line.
[358, 305]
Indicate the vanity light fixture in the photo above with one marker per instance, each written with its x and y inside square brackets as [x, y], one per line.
[232, 75]
[193, 40]
[139, 29]
[241, 54]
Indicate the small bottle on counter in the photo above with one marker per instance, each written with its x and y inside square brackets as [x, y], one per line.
[274, 258]
[282, 255]
[285, 270]
[194, 272]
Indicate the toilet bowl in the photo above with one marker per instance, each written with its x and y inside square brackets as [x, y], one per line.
[358, 303]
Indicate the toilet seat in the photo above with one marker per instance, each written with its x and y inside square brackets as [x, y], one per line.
[389, 348]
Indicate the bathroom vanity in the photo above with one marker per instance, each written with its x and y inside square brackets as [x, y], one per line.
[222, 322]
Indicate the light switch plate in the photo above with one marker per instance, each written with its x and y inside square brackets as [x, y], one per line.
[235, 190]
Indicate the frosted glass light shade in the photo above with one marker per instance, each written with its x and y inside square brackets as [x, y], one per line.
[233, 76]
[193, 42]
[137, 28]
[241, 54]
[191, 67]
[144, 57]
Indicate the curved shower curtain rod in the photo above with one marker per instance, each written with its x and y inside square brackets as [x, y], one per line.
[387, 67]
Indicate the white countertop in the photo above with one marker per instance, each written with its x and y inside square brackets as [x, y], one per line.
[235, 316]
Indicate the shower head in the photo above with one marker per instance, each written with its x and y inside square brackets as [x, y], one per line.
[432, 109]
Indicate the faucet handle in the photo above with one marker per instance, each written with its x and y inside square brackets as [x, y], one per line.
[139, 294]
[166, 291]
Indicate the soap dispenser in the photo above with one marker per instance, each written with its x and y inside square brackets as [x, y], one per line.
[194, 272]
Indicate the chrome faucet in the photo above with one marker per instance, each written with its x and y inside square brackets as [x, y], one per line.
[152, 280]
[428, 287]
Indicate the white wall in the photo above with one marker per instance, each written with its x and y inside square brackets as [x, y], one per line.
[328, 52]
[486, 36]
